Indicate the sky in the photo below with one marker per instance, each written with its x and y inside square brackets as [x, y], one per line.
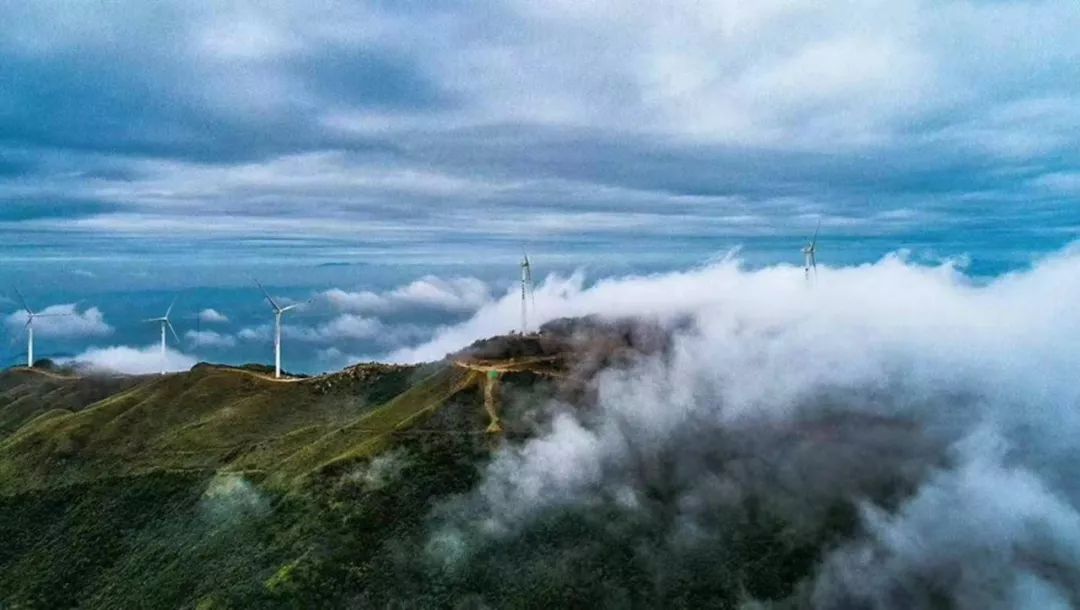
[391, 160]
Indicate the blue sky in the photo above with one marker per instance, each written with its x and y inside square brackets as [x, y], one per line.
[155, 149]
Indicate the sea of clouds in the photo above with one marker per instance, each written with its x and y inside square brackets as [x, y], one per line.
[975, 379]
[982, 375]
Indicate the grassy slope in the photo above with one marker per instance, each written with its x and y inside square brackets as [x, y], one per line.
[111, 505]
[208, 419]
[220, 489]
[28, 394]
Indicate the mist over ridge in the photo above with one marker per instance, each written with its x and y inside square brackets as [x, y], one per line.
[965, 391]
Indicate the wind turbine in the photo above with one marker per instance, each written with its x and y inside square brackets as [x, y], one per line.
[30, 315]
[278, 312]
[810, 252]
[165, 323]
[526, 288]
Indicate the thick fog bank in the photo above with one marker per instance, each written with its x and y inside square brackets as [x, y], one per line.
[945, 410]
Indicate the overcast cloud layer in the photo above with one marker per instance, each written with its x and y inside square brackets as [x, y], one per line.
[434, 132]
[395, 158]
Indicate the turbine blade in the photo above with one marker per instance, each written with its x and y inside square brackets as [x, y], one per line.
[169, 310]
[813, 241]
[273, 303]
[22, 302]
[173, 331]
[295, 305]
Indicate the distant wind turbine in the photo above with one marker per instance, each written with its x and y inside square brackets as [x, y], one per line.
[165, 323]
[278, 312]
[526, 290]
[30, 315]
[810, 252]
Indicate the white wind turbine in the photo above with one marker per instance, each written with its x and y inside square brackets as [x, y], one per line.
[30, 316]
[810, 252]
[165, 323]
[526, 289]
[278, 312]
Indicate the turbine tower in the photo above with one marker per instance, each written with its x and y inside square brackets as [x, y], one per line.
[526, 291]
[278, 312]
[30, 315]
[810, 252]
[165, 323]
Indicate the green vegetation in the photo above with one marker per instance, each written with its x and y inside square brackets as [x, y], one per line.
[26, 394]
[220, 488]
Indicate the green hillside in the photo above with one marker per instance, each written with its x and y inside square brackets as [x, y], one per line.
[26, 394]
[204, 486]
[222, 488]
[211, 418]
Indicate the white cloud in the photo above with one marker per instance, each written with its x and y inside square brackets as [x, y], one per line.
[986, 509]
[986, 369]
[262, 332]
[62, 321]
[333, 358]
[456, 295]
[912, 83]
[209, 338]
[824, 75]
[347, 326]
[723, 284]
[331, 353]
[353, 301]
[244, 38]
[134, 360]
[212, 316]
[342, 328]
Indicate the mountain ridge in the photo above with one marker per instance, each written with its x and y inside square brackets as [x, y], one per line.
[220, 487]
